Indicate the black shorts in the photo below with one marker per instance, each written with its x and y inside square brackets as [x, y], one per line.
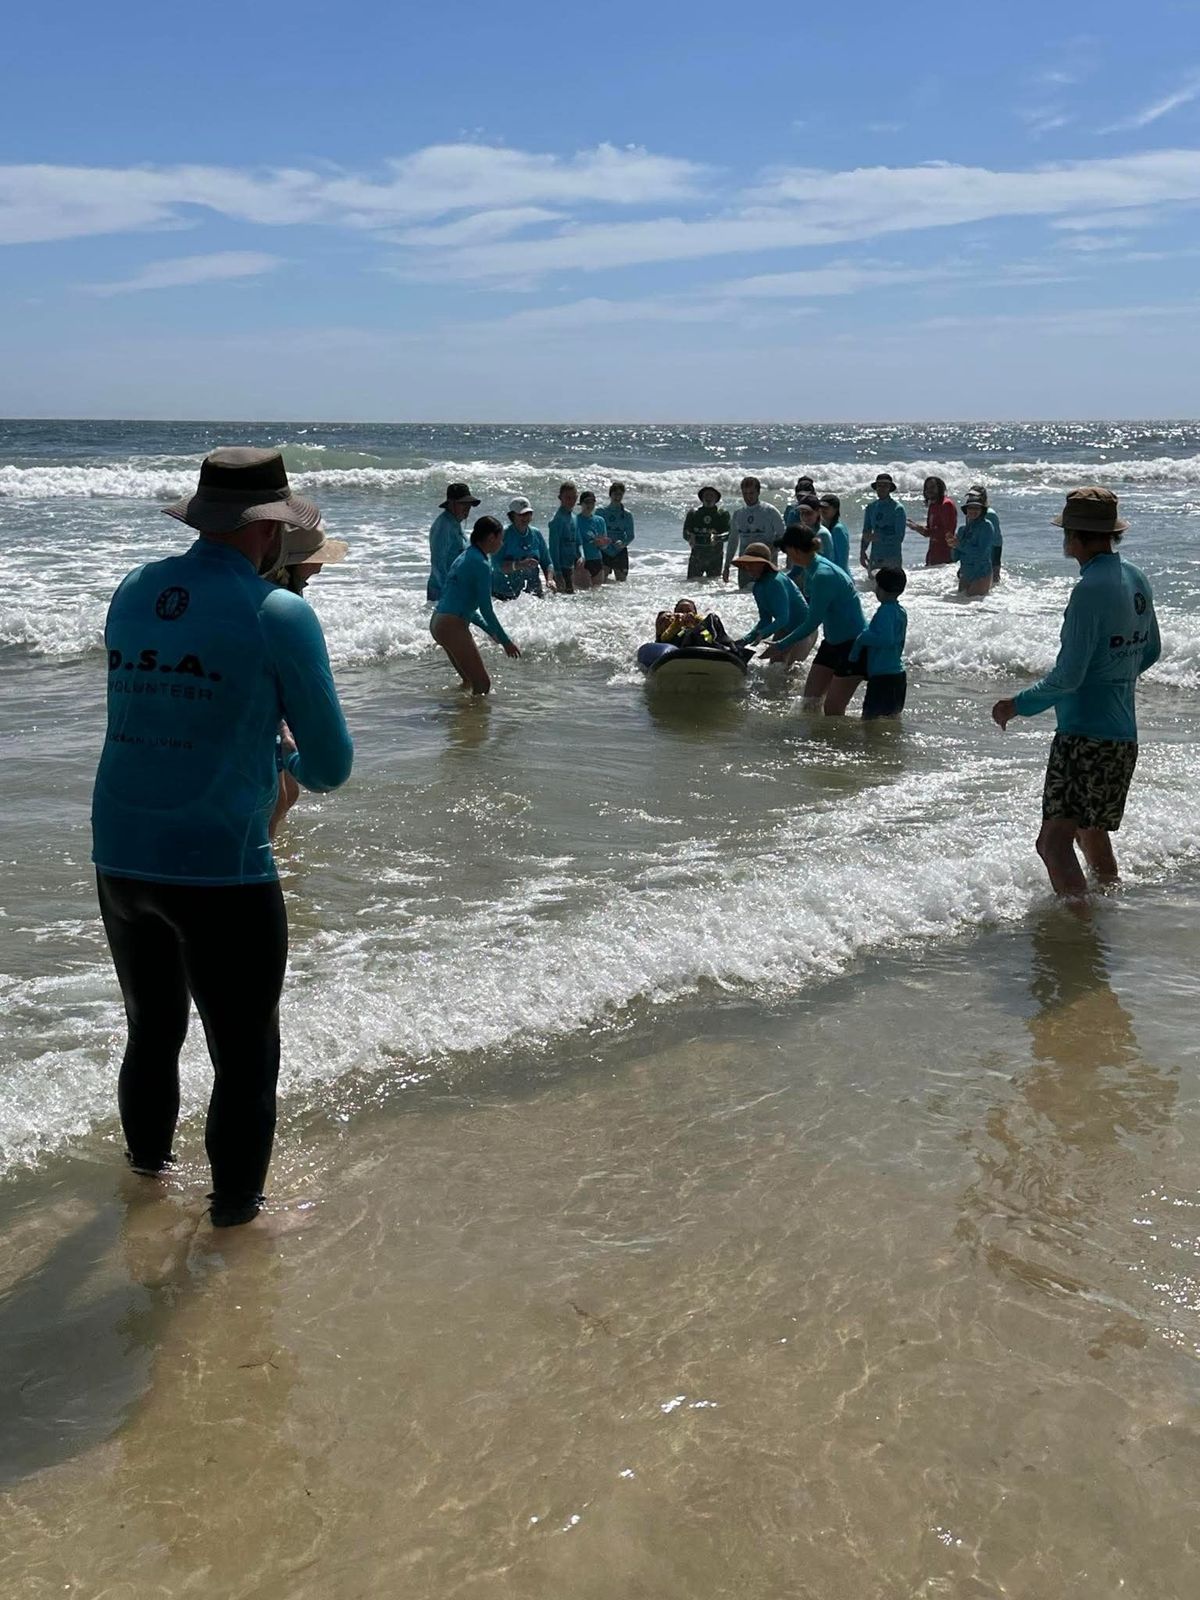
[566, 579]
[837, 658]
[1087, 780]
[617, 563]
[594, 568]
[885, 695]
[705, 561]
[996, 561]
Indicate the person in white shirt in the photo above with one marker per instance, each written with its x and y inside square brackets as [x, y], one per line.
[755, 522]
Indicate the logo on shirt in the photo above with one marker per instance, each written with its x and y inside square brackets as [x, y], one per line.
[1139, 602]
[171, 604]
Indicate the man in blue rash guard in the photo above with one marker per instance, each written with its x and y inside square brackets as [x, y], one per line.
[971, 547]
[563, 538]
[832, 605]
[619, 523]
[446, 538]
[885, 523]
[523, 559]
[839, 533]
[1109, 638]
[205, 659]
[879, 648]
[780, 604]
[466, 599]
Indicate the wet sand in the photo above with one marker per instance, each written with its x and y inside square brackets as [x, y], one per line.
[889, 1292]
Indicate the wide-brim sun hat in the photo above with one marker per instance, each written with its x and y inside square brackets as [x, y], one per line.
[883, 477]
[458, 491]
[240, 485]
[1090, 510]
[518, 507]
[310, 546]
[752, 554]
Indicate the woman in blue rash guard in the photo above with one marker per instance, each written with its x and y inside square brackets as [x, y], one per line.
[833, 606]
[467, 598]
[781, 606]
[972, 549]
[522, 562]
[997, 536]
[593, 536]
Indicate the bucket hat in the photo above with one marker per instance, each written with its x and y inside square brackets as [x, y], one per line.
[1091, 510]
[239, 485]
[754, 553]
[884, 477]
[458, 491]
[707, 489]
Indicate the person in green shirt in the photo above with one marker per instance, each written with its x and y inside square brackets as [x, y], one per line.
[705, 529]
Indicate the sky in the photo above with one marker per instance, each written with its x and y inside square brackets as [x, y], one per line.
[637, 212]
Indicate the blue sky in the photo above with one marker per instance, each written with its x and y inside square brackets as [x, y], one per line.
[642, 211]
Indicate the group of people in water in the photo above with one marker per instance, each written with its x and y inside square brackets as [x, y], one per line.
[220, 696]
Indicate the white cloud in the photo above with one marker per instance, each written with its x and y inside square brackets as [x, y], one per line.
[185, 270]
[45, 203]
[477, 227]
[1167, 103]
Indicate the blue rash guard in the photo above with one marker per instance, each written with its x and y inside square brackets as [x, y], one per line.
[973, 550]
[563, 540]
[588, 528]
[833, 604]
[839, 536]
[447, 541]
[1109, 638]
[467, 593]
[885, 523]
[780, 607]
[518, 545]
[204, 660]
[619, 524]
[883, 640]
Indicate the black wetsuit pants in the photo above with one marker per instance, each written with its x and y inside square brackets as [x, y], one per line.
[226, 949]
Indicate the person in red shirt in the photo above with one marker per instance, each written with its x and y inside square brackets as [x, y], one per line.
[941, 519]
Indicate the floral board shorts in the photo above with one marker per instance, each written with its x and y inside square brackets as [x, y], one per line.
[1087, 780]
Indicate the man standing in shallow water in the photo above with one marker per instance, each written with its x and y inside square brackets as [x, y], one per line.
[1109, 638]
[205, 658]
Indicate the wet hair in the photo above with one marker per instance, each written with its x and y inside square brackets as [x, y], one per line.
[831, 500]
[616, 488]
[892, 580]
[798, 538]
[939, 487]
[484, 528]
[563, 487]
[805, 482]
[689, 604]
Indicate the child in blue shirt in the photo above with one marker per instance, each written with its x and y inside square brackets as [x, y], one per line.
[881, 645]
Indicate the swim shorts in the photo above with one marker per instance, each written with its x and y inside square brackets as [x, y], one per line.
[1087, 780]
[885, 695]
[594, 568]
[618, 563]
[705, 560]
[837, 658]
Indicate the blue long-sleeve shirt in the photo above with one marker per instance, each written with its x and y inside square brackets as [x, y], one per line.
[619, 523]
[885, 523]
[883, 640]
[973, 549]
[447, 541]
[563, 538]
[528, 544]
[781, 607]
[1109, 638]
[467, 593]
[839, 536]
[588, 527]
[204, 660]
[832, 604]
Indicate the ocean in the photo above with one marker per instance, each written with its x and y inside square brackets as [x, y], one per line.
[709, 1162]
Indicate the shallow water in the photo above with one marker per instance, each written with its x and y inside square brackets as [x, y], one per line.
[695, 1124]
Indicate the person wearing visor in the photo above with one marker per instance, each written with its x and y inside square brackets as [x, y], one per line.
[466, 600]
[205, 659]
[304, 554]
[446, 538]
[1109, 638]
[522, 563]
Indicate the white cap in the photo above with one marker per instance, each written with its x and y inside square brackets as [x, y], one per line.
[517, 506]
